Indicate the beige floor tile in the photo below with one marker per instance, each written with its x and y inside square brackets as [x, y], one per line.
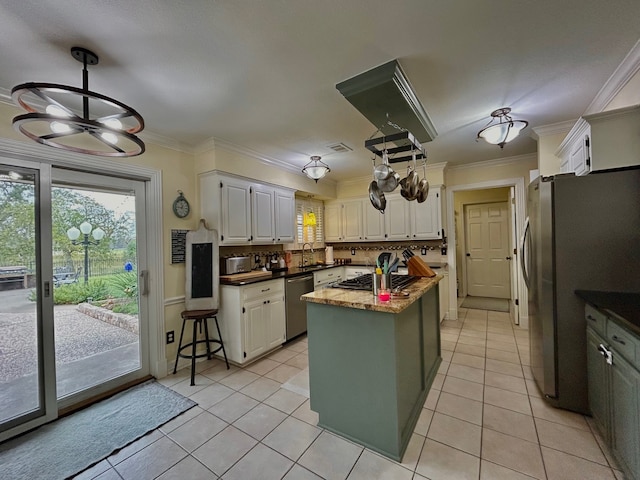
[283, 373]
[509, 422]
[197, 431]
[447, 345]
[571, 440]
[506, 399]
[260, 421]
[189, 468]
[438, 381]
[532, 389]
[513, 453]
[468, 360]
[449, 337]
[619, 474]
[219, 371]
[181, 419]
[174, 378]
[261, 462]
[134, 447]
[282, 355]
[300, 473]
[285, 400]
[562, 466]
[261, 388]
[299, 361]
[432, 399]
[542, 409]
[460, 407]
[525, 360]
[466, 373]
[467, 333]
[305, 414]
[225, 449]
[504, 367]
[292, 437]
[501, 329]
[110, 474]
[151, 461]
[412, 453]
[233, 407]
[92, 472]
[239, 380]
[463, 388]
[499, 337]
[330, 456]
[211, 395]
[185, 388]
[423, 423]
[456, 433]
[475, 327]
[444, 366]
[505, 347]
[472, 340]
[470, 349]
[371, 465]
[299, 345]
[262, 366]
[446, 355]
[441, 462]
[504, 356]
[491, 471]
[505, 382]
[526, 371]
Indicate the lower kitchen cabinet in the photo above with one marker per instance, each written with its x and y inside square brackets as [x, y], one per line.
[252, 319]
[614, 389]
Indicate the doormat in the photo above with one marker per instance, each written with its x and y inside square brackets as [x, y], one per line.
[71, 444]
[486, 303]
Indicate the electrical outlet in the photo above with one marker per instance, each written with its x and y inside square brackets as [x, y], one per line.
[353, 251]
[256, 258]
[170, 337]
[423, 251]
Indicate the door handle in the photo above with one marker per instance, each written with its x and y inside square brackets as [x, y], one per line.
[508, 258]
[468, 254]
[523, 261]
[144, 280]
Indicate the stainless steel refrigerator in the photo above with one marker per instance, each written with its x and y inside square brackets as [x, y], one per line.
[581, 233]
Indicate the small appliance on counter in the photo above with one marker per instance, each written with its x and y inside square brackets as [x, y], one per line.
[231, 265]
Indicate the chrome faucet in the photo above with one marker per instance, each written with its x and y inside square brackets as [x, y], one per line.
[304, 261]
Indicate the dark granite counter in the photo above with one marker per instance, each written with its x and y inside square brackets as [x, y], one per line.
[624, 306]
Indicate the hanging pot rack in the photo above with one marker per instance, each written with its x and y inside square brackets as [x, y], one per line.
[404, 141]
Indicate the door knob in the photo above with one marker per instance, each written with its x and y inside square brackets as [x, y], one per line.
[508, 258]
[468, 254]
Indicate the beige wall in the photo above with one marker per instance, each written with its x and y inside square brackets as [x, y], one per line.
[548, 163]
[629, 95]
[492, 170]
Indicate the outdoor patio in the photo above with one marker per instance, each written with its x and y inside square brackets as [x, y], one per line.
[88, 351]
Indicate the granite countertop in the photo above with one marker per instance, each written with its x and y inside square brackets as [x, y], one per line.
[623, 306]
[364, 300]
[297, 272]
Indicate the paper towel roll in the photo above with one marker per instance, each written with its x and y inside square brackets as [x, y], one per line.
[328, 255]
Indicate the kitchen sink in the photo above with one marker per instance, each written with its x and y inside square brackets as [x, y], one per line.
[315, 266]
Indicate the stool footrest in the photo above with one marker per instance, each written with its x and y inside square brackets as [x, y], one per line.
[200, 355]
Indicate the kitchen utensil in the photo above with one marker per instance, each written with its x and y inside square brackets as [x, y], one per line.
[390, 183]
[382, 171]
[376, 195]
[393, 266]
[383, 257]
[423, 186]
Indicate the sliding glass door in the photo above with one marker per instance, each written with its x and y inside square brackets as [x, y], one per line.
[73, 305]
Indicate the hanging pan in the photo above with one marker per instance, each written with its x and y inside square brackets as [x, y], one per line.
[376, 195]
[423, 186]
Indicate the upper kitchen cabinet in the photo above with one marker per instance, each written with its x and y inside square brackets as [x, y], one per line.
[426, 217]
[344, 221]
[246, 212]
[397, 221]
[602, 141]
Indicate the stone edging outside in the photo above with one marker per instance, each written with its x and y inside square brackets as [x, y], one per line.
[122, 320]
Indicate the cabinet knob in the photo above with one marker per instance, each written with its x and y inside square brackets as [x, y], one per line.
[618, 339]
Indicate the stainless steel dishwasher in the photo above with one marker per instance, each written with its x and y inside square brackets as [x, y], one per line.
[296, 309]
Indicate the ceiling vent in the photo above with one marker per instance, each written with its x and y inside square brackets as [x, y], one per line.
[385, 97]
[339, 148]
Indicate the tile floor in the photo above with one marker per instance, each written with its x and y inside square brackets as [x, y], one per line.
[483, 419]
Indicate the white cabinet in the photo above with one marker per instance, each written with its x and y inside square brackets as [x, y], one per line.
[343, 221]
[247, 212]
[397, 222]
[353, 272]
[373, 224]
[426, 217]
[323, 278]
[252, 319]
[575, 150]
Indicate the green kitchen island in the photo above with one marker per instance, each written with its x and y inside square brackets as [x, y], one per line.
[372, 363]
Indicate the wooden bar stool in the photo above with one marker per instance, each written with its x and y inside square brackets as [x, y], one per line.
[199, 317]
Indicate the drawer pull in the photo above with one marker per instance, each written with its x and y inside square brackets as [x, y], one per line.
[615, 338]
[591, 318]
[265, 290]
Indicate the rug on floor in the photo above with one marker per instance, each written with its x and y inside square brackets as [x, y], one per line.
[486, 303]
[71, 444]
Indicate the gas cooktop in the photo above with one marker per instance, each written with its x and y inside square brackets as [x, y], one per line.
[365, 282]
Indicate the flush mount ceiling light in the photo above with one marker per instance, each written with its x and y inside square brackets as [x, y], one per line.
[78, 119]
[504, 131]
[316, 168]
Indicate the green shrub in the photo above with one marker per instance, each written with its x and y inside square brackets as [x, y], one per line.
[130, 308]
[75, 293]
[124, 285]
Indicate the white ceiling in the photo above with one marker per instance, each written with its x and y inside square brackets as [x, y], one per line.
[260, 75]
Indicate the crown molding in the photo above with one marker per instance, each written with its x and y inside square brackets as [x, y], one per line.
[629, 66]
[552, 129]
[496, 162]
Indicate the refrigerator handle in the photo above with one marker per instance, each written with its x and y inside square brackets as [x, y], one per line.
[524, 253]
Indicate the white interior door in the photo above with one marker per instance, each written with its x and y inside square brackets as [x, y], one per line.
[513, 247]
[487, 250]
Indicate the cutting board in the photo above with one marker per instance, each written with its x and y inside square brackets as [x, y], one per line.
[237, 277]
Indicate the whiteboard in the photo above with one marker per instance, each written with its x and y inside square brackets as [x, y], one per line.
[202, 269]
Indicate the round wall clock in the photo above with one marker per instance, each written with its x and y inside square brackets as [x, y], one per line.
[181, 206]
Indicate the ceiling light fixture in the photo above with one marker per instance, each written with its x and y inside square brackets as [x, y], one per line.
[316, 168]
[78, 119]
[505, 130]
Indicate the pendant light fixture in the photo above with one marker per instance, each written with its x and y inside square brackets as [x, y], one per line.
[316, 168]
[505, 130]
[77, 119]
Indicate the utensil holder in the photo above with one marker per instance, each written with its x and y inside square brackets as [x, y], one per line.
[381, 280]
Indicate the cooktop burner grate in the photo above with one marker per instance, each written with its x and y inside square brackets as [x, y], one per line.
[365, 282]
